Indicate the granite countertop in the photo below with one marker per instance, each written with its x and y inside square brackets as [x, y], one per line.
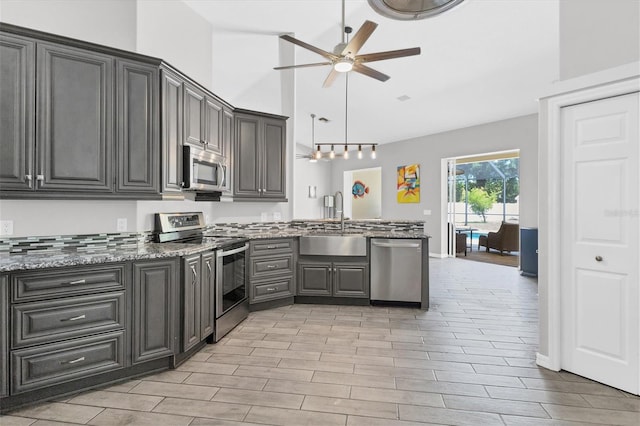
[87, 256]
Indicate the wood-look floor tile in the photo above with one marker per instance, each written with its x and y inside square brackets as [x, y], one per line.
[535, 372]
[244, 360]
[532, 421]
[397, 396]
[114, 417]
[592, 388]
[267, 399]
[447, 416]
[285, 417]
[122, 387]
[446, 388]
[301, 364]
[460, 367]
[60, 412]
[207, 367]
[324, 348]
[274, 373]
[623, 403]
[225, 381]
[125, 401]
[472, 359]
[282, 353]
[359, 343]
[368, 370]
[6, 420]
[209, 409]
[176, 390]
[533, 395]
[394, 353]
[357, 359]
[170, 376]
[593, 415]
[305, 388]
[372, 421]
[427, 348]
[498, 406]
[299, 338]
[481, 379]
[349, 406]
[258, 343]
[226, 349]
[353, 379]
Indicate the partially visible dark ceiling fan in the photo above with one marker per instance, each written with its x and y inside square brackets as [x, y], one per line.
[345, 58]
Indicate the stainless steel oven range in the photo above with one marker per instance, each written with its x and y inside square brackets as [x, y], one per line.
[231, 304]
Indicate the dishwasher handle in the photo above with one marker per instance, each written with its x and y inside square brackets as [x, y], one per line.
[396, 245]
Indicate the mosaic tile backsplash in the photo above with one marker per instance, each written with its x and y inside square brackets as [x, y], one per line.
[89, 242]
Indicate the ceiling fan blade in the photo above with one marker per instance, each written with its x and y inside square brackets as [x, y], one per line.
[330, 78]
[360, 38]
[287, 67]
[307, 46]
[381, 56]
[363, 69]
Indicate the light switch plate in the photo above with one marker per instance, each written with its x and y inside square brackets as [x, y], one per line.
[427, 212]
[264, 216]
[277, 216]
[6, 227]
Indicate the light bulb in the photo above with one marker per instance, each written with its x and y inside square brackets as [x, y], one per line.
[359, 152]
[318, 153]
[373, 152]
[343, 65]
[332, 154]
[346, 152]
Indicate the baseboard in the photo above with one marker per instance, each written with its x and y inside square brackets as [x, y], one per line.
[544, 361]
[438, 255]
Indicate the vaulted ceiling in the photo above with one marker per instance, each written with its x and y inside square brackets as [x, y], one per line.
[482, 61]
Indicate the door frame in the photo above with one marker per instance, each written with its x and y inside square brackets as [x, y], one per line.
[550, 216]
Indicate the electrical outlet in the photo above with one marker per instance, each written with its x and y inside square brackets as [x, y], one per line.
[427, 212]
[6, 227]
[264, 216]
[277, 216]
[121, 225]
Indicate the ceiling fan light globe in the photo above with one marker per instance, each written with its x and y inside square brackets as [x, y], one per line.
[343, 65]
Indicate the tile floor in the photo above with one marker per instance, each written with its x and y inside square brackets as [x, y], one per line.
[469, 360]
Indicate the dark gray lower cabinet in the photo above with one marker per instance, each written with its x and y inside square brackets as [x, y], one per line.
[272, 270]
[155, 309]
[191, 267]
[336, 279]
[207, 295]
[4, 335]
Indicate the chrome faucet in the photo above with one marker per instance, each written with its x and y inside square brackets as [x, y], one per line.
[341, 209]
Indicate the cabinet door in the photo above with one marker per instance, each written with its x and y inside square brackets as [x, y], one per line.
[17, 110]
[138, 144]
[213, 126]
[75, 119]
[274, 155]
[191, 298]
[194, 125]
[350, 280]
[246, 158]
[172, 107]
[227, 134]
[4, 335]
[207, 295]
[314, 279]
[154, 309]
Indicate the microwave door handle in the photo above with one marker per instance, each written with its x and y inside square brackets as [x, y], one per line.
[222, 175]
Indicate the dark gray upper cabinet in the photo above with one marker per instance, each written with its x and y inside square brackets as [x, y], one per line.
[17, 67]
[137, 121]
[172, 88]
[203, 118]
[259, 160]
[74, 134]
[155, 310]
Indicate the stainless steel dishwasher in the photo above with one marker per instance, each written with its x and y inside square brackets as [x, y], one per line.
[396, 270]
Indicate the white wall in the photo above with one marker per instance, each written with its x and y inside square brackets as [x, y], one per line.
[108, 22]
[370, 205]
[305, 174]
[596, 35]
[428, 151]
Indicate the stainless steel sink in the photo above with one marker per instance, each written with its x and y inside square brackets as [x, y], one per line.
[333, 244]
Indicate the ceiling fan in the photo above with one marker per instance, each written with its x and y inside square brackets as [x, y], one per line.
[345, 57]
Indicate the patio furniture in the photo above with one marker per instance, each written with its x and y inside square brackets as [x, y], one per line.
[461, 243]
[505, 239]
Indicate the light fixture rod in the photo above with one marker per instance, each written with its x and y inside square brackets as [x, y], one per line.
[343, 25]
[346, 108]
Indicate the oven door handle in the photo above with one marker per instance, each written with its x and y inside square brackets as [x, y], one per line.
[222, 253]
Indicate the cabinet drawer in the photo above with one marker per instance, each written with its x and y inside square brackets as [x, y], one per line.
[270, 266]
[270, 290]
[47, 365]
[268, 247]
[42, 322]
[67, 281]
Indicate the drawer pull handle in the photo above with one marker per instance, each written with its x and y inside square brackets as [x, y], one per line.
[76, 282]
[79, 317]
[272, 266]
[271, 289]
[271, 247]
[73, 361]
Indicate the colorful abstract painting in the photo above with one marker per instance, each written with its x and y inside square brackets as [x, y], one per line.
[409, 183]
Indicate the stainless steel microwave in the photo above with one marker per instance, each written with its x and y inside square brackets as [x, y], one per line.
[203, 170]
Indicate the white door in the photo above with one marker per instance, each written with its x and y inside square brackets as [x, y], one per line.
[600, 238]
